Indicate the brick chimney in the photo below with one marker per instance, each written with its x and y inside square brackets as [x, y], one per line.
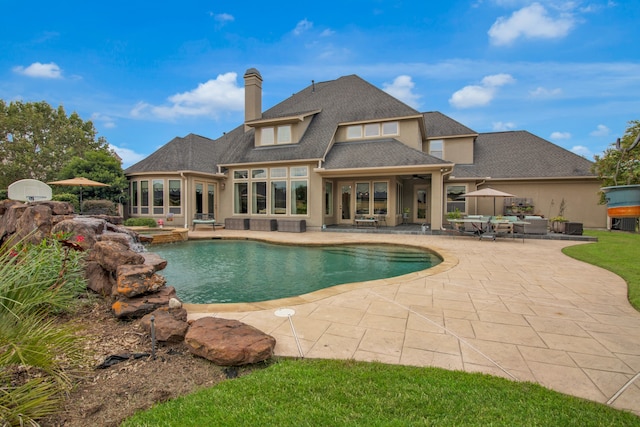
[252, 95]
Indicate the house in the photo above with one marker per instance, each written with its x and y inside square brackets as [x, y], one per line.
[342, 149]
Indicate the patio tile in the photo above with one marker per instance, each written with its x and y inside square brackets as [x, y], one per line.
[574, 344]
[388, 308]
[545, 355]
[523, 335]
[567, 380]
[332, 313]
[442, 343]
[417, 357]
[602, 363]
[383, 323]
[382, 342]
[333, 347]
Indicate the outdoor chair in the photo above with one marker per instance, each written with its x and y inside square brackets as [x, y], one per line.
[203, 218]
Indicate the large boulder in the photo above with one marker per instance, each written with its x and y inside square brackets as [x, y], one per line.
[139, 279]
[110, 255]
[228, 342]
[34, 224]
[99, 280]
[87, 227]
[170, 324]
[135, 308]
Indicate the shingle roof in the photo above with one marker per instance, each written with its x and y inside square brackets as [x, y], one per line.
[193, 152]
[379, 153]
[520, 154]
[347, 99]
[439, 125]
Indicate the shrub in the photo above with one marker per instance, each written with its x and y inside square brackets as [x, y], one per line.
[99, 207]
[69, 198]
[4, 194]
[36, 353]
[140, 222]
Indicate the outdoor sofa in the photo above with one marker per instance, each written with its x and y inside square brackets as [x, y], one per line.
[536, 225]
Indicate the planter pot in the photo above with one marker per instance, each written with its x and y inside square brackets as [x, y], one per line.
[558, 226]
[623, 201]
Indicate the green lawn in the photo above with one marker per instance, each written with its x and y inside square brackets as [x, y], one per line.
[348, 393]
[615, 251]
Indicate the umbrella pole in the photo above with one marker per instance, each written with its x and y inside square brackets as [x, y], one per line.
[81, 200]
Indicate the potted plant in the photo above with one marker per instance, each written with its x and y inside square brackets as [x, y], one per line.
[456, 214]
[558, 224]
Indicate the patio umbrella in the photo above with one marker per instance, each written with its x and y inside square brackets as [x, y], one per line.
[79, 182]
[488, 192]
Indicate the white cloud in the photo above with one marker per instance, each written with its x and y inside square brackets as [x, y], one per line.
[581, 151]
[530, 22]
[542, 92]
[39, 70]
[402, 88]
[480, 95]
[302, 26]
[497, 80]
[502, 126]
[128, 156]
[222, 17]
[560, 135]
[601, 130]
[327, 33]
[208, 99]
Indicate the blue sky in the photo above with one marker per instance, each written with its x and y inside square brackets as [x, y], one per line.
[144, 73]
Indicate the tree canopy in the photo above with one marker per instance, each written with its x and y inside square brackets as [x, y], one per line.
[36, 140]
[620, 163]
[40, 142]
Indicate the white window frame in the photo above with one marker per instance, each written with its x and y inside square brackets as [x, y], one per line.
[354, 132]
[371, 130]
[267, 135]
[389, 132]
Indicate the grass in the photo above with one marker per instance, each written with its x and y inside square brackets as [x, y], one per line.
[340, 393]
[618, 252]
[334, 392]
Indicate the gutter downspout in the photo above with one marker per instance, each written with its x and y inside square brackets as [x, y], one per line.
[186, 198]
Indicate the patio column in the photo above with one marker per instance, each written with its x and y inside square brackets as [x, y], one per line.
[437, 198]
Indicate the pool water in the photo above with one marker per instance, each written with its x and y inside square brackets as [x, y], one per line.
[225, 271]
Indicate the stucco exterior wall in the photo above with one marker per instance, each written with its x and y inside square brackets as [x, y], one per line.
[581, 200]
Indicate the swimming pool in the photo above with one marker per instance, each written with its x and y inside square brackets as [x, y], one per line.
[226, 271]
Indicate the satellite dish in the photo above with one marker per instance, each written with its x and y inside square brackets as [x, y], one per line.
[29, 190]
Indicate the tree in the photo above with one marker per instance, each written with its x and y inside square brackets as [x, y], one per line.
[620, 164]
[99, 165]
[36, 141]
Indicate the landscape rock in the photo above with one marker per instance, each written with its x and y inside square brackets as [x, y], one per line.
[170, 324]
[175, 303]
[155, 260]
[34, 224]
[99, 280]
[228, 342]
[135, 308]
[111, 254]
[88, 228]
[139, 279]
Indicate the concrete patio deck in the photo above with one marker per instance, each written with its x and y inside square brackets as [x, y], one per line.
[512, 308]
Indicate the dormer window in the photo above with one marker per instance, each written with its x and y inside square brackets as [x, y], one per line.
[354, 132]
[372, 130]
[270, 135]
